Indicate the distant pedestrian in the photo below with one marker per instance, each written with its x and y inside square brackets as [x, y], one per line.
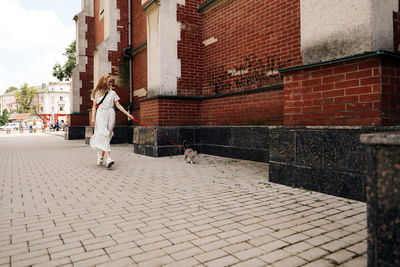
[30, 128]
[103, 118]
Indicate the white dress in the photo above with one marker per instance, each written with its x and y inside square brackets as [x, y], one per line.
[105, 122]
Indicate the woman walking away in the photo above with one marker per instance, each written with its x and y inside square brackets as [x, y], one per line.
[103, 118]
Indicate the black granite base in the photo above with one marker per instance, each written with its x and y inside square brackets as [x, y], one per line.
[250, 143]
[331, 160]
[75, 133]
[383, 199]
[337, 183]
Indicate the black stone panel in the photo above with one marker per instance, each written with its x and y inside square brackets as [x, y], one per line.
[75, 133]
[145, 150]
[164, 151]
[313, 149]
[282, 145]
[347, 185]
[383, 204]
[187, 134]
[235, 152]
[249, 137]
[348, 154]
[215, 136]
[341, 184]
[290, 175]
[120, 135]
[130, 134]
[339, 150]
[175, 136]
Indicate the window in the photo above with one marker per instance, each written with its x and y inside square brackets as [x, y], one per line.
[61, 108]
[61, 89]
[52, 109]
[61, 98]
[41, 109]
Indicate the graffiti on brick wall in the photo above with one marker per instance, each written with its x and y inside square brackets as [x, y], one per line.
[253, 71]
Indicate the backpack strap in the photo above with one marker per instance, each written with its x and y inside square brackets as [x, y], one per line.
[102, 100]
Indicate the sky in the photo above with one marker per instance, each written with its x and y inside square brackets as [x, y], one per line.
[33, 37]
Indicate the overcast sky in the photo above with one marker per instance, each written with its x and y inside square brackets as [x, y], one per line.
[33, 37]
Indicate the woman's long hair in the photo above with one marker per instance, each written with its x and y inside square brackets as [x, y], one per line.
[102, 86]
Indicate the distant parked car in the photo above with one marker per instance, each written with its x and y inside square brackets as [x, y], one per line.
[10, 126]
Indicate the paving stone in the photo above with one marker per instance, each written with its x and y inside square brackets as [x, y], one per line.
[251, 262]
[313, 254]
[357, 262]
[298, 247]
[319, 263]
[340, 256]
[359, 248]
[292, 261]
[275, 256]
[187, 253]
[120, 262]
[224, 261]
[211, 255]
[249, 254]
[147, 210]
[334, 245]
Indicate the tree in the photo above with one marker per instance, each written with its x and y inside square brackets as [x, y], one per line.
[11, 89]
[65, 72]
[4, 117]
[24, 98]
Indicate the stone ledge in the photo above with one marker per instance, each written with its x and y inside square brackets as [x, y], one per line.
[386, 138]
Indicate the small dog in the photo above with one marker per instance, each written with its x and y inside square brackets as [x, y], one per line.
[190, 154]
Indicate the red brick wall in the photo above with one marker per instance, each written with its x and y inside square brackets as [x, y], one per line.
[262, 108]
[139, 73]
[170, 112]
[346, 93]
[253, 35]
[390, 91]
[149, 113]
[98, 24]
[139, 36]
[78, 120]
[190, 49]
[139, 31]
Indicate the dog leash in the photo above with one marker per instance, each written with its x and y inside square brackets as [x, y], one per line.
[160, 135]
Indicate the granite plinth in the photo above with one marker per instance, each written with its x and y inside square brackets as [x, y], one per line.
[383, 198]
[249, 143]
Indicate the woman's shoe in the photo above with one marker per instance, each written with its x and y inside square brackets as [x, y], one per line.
[99, 159]
[109, 163]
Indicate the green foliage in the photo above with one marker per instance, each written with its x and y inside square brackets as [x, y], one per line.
[24, 98]
[4, 117]
[65, 72]
[11, 89]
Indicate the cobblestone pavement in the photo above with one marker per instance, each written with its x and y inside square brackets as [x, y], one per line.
[57, 208]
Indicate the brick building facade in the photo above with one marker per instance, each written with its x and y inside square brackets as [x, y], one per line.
[232, 62]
